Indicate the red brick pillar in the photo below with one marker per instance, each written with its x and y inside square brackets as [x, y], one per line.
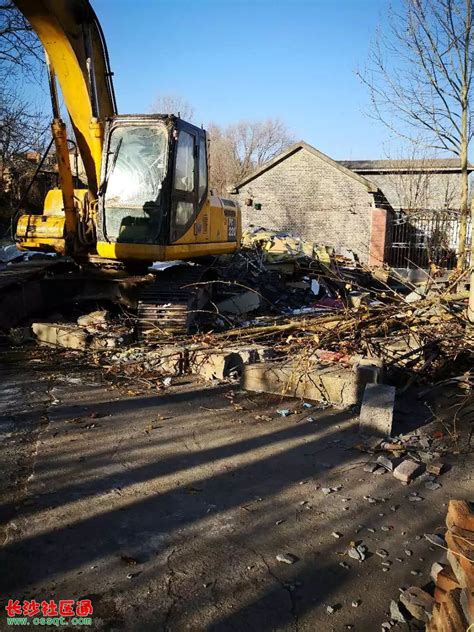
[378, 236]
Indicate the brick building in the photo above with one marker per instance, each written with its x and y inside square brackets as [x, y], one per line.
[428, 184]
[305, 192]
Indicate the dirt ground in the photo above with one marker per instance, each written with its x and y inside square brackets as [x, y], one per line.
[168, 509]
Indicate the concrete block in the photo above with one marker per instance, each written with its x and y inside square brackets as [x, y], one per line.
[93, 319]
[407, 470]
[71, 337]
[341, 387]
[220, 364]
[376, 413]
[173, 360]
[240, 303]
[215, 365]
[372, 367]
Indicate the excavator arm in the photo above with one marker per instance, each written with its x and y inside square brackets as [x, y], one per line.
[72, 38]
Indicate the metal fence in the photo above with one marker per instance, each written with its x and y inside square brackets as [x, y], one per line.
[420, 238]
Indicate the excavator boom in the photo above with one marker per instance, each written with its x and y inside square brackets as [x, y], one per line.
[72, 38]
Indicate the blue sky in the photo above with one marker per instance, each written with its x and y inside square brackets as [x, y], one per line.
[234, 59]
[250, 59]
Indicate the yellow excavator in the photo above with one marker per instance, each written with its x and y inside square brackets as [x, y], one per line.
[147, 197]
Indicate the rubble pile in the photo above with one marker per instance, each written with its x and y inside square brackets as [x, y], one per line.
[454, 581]
[410, 456]
[322, 308]
[288, 276]
[447, 605]
[316, 312]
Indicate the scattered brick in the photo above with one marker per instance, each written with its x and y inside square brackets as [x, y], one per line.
[407, 470]
[436, 468]
[460, 515]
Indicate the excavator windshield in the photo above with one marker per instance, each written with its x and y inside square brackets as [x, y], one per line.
[135, 168]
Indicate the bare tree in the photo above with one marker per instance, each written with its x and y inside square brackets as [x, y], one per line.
[256, 142]
[413, 180]
[24, 129]
[420, 80]
[222, 167]
[173, 104]
[20, 49]
[23, 136]
[237, 150]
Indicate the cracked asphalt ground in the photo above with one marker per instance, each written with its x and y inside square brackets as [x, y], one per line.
[168, 509]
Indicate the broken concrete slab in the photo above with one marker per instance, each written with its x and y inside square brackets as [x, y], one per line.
[376, 413]
[385, 462]
[215, 365]
[221, 364]
[240, 303]
[397, 612]
[75, 337]
[341, 387]
[251, 354]
[69, 336]
[400, 349]
[172, 360]
[414, 296]
[104, 343]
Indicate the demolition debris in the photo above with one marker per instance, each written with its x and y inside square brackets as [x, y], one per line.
[289, 317]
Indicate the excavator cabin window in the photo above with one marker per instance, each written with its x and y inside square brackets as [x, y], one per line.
[135, 171]
[190, 179]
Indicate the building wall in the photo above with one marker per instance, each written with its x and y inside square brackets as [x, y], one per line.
[419, 190]
[312, 199]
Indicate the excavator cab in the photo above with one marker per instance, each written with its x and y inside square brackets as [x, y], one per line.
[154, 179]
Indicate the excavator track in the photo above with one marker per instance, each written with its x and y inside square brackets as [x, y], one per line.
[171, 304]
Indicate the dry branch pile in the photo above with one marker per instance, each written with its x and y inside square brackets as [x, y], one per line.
[312, 303]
